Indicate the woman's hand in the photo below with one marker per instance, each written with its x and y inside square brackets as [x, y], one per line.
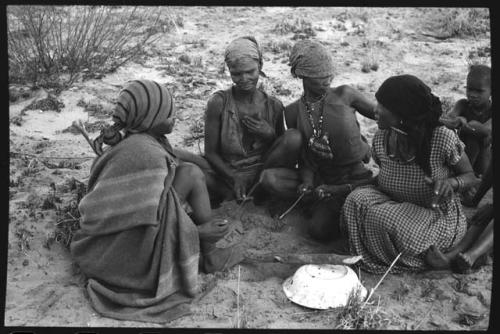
[258, 127]
[442, 189]
[305, 188]
[326, 190]
[239, 189]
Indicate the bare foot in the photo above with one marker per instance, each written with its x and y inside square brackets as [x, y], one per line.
[463, 263]
[213, 230]
[436, 259]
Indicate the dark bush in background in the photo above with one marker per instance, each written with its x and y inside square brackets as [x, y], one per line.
[55, 45]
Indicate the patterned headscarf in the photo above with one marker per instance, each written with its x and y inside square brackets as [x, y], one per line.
[310, 59]
[243, 47]
[142, 106]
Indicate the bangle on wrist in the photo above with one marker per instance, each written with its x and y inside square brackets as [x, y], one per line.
[460, 183]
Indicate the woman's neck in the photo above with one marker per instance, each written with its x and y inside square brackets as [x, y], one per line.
[246, 96]
[312, 97]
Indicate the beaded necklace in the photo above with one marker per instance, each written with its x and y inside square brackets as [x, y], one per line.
[310, 107]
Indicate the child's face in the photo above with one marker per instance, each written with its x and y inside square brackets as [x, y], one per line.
[478, 91]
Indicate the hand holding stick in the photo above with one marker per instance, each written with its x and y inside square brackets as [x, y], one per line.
[247, 197]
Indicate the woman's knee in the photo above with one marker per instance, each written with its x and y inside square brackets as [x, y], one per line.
[268, 179]
[191, 172]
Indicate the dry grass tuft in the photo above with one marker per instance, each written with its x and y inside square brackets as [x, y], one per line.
[458, 22]
[302, 28]
[355, 315]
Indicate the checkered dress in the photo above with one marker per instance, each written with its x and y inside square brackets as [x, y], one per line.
[396, 216]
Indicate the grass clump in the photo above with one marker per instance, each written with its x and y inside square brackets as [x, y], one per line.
[301, 27]
[357, 315]
[458, 22]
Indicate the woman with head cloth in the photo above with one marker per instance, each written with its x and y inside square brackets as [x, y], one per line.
[414, 206]
[137, 246]
[331, 163]
[245, 139]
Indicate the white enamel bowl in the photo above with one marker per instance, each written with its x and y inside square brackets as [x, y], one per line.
[323, 286]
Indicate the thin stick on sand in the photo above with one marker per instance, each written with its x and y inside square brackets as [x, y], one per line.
[238, 301]
[292, 206]
[247, 198]
[425, 317]
[381, 279]
[81, 128]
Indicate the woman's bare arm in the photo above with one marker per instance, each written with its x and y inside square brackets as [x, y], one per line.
[212, 137]
[358, 101]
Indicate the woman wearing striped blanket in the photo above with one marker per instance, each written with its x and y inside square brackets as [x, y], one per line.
[137, 246]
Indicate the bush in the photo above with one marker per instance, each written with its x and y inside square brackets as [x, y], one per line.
[459, 22]
[53, 45]
[294, 24]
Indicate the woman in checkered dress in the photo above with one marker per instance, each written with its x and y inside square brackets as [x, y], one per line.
[422, 167]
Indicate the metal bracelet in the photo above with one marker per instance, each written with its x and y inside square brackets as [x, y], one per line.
[460, 183]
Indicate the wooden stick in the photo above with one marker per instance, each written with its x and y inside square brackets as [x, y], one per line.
[291, 207]
[380, 281]
[81, 128]
[238, 301]
[315, 258]
[247, 198]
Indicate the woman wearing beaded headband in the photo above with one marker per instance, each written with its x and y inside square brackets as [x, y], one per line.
[334, 150]
[414, 207]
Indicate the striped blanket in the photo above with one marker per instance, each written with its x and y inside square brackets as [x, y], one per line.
[137, 246]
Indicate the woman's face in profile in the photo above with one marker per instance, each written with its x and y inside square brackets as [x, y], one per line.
[317, 86]
[245, 73]
[385, 118]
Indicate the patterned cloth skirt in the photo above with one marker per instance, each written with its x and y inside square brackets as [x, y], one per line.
[379, 228]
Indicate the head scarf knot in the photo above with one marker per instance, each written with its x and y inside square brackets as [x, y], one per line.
[142, 106]
[310, 59]
[243, 47]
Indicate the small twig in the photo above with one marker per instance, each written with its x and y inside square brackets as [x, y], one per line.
[291, 207]
[31, 162]
[45, 157]
[69, 213]
[318, 311]
[425, 316]
[66, 221]
[247, 198]
[199, 147]
[380, 281]
[238, 301]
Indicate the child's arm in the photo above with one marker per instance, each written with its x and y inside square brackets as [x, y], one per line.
[478, 129]
[454, 119]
